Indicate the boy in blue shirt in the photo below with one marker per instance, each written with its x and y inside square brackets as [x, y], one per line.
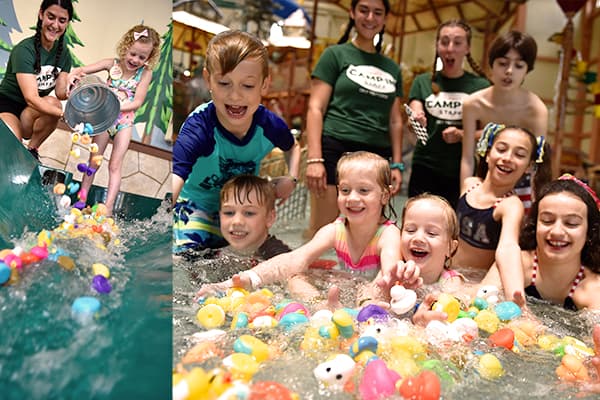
[226, 137]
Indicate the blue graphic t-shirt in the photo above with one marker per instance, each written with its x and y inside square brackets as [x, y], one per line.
[206, 155]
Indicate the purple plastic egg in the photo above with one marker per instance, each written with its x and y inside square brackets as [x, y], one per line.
[101, 284]
[372, 311]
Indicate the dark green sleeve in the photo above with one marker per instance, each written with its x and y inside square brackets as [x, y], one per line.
[23, 58]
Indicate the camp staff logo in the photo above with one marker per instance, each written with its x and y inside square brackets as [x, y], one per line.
[446, 105]
[45, 79]
[371, 78]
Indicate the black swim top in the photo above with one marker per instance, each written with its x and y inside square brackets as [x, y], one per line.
[477, 226]
[568, 304]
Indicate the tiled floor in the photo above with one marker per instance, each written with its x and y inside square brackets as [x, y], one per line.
[142, 173]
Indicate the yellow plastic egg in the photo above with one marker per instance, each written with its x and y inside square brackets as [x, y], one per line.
[490, 367]
[487, 321]
[448, 304]
[548, 342]
[101, 269]
[211, 316]
[242, 366]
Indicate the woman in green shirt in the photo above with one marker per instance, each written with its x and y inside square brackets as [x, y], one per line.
[36, 66]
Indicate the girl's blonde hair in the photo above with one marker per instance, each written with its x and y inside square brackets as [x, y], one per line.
[379, 164]
[227, 49]
[143, 34]
[449, 213]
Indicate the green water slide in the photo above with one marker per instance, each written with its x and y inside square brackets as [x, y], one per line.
[26, 199]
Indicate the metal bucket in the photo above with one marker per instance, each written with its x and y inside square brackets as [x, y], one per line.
[93, 102]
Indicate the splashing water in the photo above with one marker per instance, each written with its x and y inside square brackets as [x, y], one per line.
[125, 352]
[529, 374]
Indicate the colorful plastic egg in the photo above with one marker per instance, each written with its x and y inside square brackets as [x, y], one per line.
[5, 272]
[85, 309]
[448, 304]
[425, 386]
[211, 316]
[250, 345]
[101, 269]
[487, 321]
[101, 284]
[507, 310]
[490, 367]
[241, 365]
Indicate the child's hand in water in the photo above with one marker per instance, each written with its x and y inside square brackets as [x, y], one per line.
[406, 273]
[425, 314]
[212, 288]
[242, 280]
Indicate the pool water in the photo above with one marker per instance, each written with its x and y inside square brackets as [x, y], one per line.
[124, 353]
[529, 374]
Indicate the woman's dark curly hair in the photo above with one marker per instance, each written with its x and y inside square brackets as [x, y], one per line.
[590, 254]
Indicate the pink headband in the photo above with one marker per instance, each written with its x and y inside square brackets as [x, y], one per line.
[569, 177]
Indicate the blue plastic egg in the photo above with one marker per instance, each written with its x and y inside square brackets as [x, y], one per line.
[507, 310]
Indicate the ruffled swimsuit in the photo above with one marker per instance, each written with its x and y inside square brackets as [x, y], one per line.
[125, 91]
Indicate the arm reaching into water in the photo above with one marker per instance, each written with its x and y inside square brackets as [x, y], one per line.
[508, 252]
[278, 268]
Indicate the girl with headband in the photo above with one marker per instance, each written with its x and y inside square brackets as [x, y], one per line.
[489, 212]
[560, 244]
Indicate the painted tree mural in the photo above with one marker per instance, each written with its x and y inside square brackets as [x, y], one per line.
[71, 39]
[8, 22]
[158, 107]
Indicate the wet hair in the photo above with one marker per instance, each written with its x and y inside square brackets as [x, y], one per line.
[128, 39]
[241, 186]
[449, 214]
[543, 170]
[379, 164]
[227, 49]
[523, 44]
[350, 25]
[590, 256]
[474, 66]
[67, 5]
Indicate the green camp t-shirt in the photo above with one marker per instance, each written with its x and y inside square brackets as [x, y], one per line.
[22, 60]
[443, 110]
[365, 86]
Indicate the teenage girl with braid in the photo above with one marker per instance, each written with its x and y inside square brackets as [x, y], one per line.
[354, 105]
[36, 66]
[436, 101]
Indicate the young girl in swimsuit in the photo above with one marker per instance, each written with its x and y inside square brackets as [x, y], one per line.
[429, 239]
[366, 241]
[489, 213]
[560, 258]
[129, 77]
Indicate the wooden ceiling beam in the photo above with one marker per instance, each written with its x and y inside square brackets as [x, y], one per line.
[486, 8]
[435, 12]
